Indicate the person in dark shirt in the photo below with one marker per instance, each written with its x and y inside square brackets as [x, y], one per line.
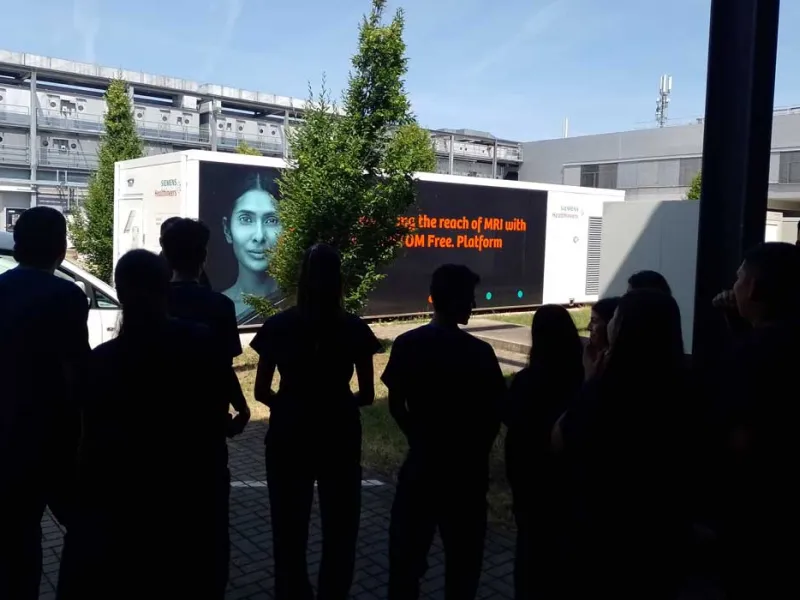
[153, 445]
[184, 246]
[539, 395]
[625, 446]
[203, 278]
[315, 428]
[649, 280]
[44, 346]
[446, 391]
[755, 497]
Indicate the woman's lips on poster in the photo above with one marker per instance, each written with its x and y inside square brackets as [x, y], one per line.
[256, 253]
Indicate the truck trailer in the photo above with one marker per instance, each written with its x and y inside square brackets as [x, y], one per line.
[531, 243]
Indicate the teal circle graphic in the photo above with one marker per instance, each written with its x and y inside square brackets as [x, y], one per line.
[488, 295]
[519, 294]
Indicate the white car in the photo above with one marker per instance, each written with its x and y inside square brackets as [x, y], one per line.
[104, 308]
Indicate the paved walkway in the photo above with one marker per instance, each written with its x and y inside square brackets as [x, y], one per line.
[251, 567]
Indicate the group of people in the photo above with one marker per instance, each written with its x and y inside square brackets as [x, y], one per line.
[627, 461]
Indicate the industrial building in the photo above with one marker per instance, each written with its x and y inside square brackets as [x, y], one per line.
[51, 120]
[659, 163]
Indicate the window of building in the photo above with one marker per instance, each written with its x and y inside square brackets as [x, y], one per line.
[689, 169]
[61, 145]
[789, 167]
[599, 176]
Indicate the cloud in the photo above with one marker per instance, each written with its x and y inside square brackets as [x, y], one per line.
[232, 10]
[86, 22]
[541, 20]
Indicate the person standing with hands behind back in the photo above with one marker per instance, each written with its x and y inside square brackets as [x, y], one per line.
[445, 392]
[315, 426]
[184, 245]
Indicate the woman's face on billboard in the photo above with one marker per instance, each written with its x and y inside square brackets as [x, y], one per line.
[253, 228]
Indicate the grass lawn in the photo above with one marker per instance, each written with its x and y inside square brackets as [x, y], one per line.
[384, 446]
[581, 317]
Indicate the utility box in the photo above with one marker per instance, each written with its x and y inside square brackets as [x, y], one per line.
[661, 236]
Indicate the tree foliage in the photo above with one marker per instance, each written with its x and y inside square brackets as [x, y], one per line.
[245, 148]
[695, 187]
[351, 176]
[92, 226]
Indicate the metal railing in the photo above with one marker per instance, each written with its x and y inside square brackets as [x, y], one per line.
[11, 114]
[163, 132]
[14, 155]
[69, 121]
[69, 159]
[474, 150]
[265, 143]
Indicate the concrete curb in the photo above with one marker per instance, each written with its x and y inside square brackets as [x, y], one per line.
[504, 345]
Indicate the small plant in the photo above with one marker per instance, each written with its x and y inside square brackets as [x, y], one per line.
[696, 187]
[245, 148]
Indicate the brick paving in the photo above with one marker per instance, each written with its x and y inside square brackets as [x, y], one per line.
[251, 568]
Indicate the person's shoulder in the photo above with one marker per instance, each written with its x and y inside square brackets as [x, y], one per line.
[476, 345]
[414, 336]
[281, 322]
[68, 289]
[284, 318]
[523, 377]
[105, 352]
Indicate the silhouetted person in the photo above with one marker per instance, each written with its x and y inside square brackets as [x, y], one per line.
[184, 246]
[649, 280]
[203, 278]
[153, 445]
[44, 346]
[597, 345]
[315, 428]
[625, 444]
[755, 420]
[539, 395]
[446, 391]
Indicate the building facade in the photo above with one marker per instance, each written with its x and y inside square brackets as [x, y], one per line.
[51, 120]
[658, 163]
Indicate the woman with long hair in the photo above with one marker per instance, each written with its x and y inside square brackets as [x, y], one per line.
[627, 441]
[539, 395]
[133, 522]
[315, 426]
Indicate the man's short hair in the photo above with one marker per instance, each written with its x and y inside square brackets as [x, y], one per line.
[40, 237]
[452, 286]
[184, 244]
[649, 280]
[775, 268]
[167, 224]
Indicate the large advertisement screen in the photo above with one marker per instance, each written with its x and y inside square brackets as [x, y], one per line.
[497, 232]
[239, 203]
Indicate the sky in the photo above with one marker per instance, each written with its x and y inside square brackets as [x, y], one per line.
[516, 69]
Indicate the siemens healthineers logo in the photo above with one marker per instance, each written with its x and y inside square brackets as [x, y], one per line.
[168, 187]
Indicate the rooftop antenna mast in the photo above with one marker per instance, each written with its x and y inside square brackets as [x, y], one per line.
[662, 104]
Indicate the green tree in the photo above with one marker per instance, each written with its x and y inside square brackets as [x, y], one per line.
[350, 179]
[92, 225]
[245, 148]
[695, 187]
